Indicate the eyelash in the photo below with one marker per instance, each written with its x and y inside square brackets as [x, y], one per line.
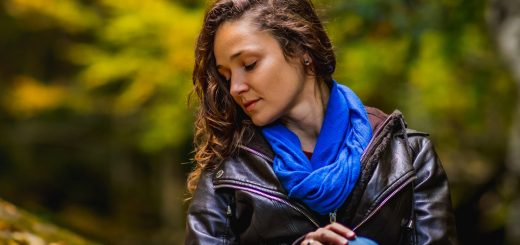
[250, 66]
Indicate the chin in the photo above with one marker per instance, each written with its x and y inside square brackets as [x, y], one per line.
[258, 123]
[261, 121]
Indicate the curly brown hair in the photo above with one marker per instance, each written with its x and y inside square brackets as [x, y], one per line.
[220, 124]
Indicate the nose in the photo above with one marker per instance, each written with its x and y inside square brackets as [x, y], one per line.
[238, 86]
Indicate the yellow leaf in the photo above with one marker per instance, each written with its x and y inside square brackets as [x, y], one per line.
[29, 96]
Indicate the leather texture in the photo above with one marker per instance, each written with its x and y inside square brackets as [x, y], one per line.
[401, 197]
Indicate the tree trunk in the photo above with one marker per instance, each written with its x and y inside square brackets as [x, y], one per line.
[172, 189]
[504, 23]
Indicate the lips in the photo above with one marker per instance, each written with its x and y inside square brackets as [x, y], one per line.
[250, 104]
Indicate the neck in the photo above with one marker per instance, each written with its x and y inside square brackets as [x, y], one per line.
[307, 117]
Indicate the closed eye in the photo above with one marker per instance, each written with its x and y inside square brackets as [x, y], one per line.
[250, 66]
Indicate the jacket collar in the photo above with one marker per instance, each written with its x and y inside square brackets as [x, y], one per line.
[376, 117]
[253, 164]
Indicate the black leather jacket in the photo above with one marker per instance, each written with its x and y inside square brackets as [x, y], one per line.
[401, 196]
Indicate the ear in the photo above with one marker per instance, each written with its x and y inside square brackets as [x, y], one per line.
[306, 59]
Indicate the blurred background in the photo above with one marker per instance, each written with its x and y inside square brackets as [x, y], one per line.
[95, 127]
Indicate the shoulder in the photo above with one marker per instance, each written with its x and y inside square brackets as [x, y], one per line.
[375, 116]
[394, 126]
[377, 119]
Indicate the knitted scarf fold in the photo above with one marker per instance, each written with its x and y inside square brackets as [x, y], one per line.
[324, 182]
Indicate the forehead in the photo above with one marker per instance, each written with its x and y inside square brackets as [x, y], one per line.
[235, 36]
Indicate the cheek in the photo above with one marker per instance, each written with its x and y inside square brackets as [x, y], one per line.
[233, 97]
[236, 99]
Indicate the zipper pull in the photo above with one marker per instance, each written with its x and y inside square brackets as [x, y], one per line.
[228, 211]
[332, 216]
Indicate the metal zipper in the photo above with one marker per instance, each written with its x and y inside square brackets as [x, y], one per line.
[261, 193]
[393, 193]
[332, 216]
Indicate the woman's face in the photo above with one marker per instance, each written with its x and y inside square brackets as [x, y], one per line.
[263, 82]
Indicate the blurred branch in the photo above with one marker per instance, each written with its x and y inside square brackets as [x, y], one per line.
[20, 227]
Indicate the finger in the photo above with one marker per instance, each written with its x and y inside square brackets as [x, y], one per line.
[327, 236]
[310, 242]
[342, 230]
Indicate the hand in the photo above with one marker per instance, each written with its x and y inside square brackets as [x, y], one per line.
[334, 233]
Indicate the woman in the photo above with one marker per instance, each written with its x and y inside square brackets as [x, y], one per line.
[286, 155]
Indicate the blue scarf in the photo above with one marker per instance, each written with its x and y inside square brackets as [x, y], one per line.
[324, 182]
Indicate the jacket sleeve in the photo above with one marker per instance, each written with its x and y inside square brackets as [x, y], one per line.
[207, 221]
[434, 221]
